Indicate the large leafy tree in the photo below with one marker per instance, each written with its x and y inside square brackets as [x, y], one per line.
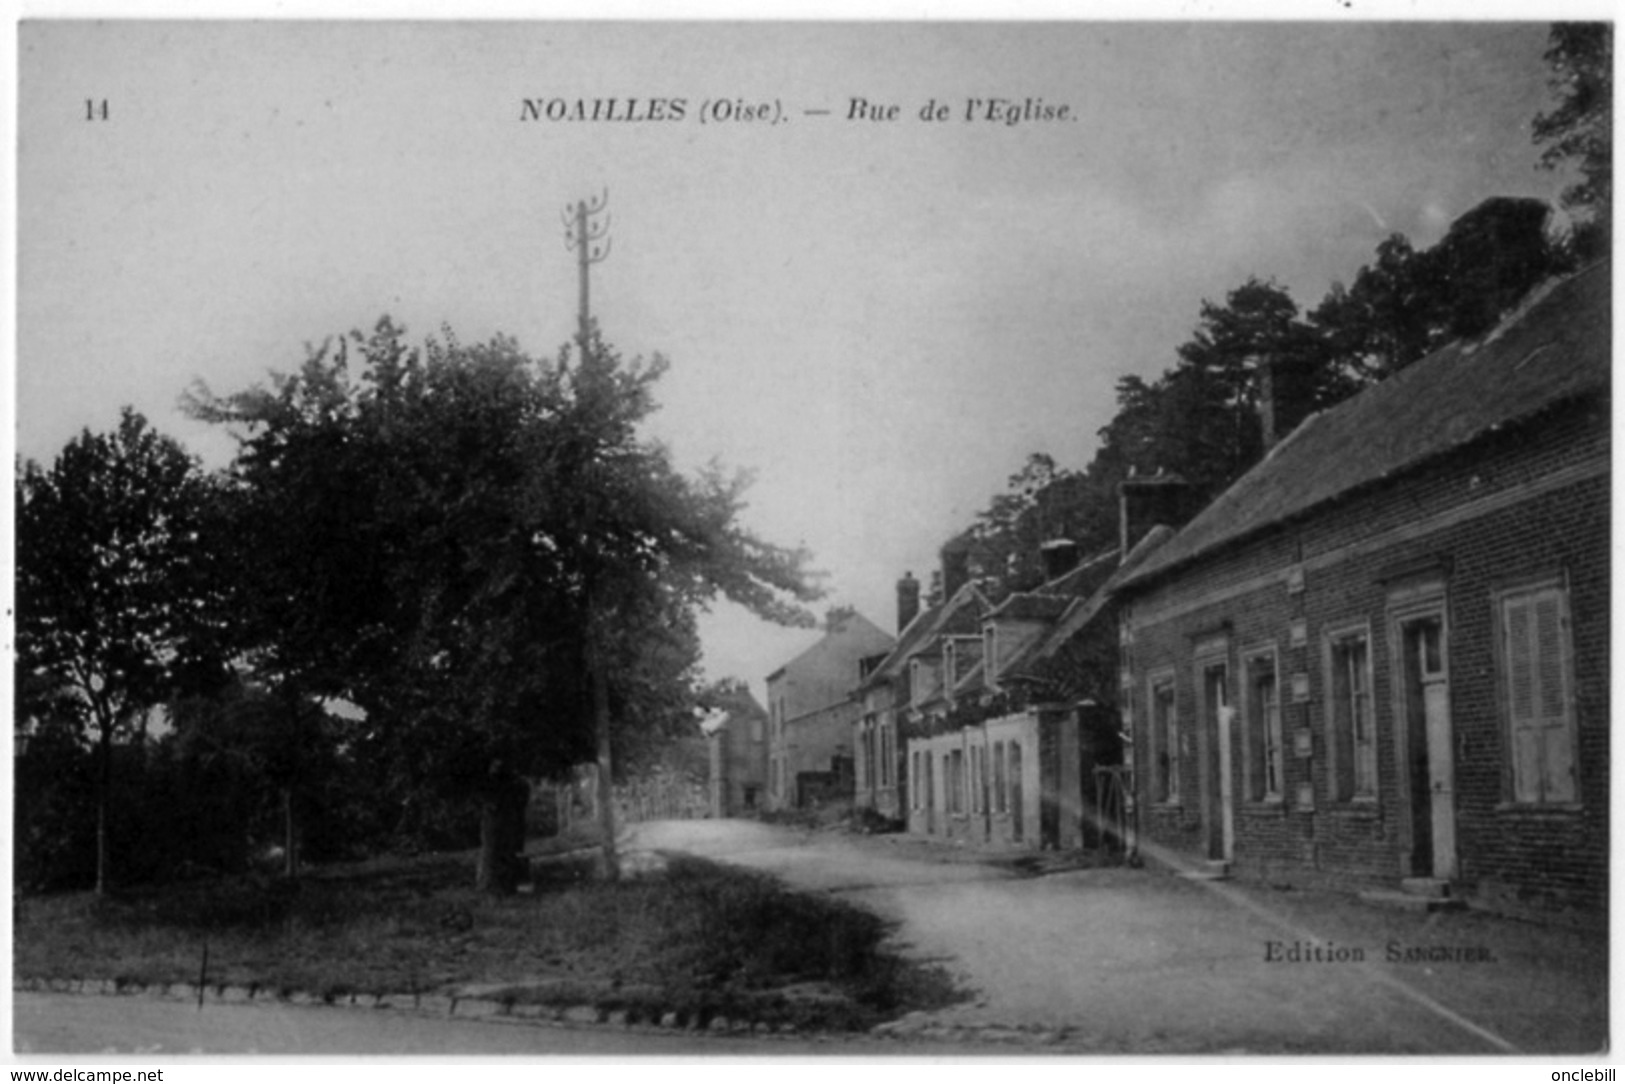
[1579, 131]
[1408, 302]
[479, 550]
[117, 589]
[1385, 320]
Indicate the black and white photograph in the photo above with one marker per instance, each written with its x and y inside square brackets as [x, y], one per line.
[915, 538]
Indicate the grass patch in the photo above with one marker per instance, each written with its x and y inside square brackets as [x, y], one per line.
[699, 939]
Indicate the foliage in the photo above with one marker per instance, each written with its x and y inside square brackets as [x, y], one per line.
[453, 537]
[1409, 303]
[1579, 131]
[118, 591]
[1041, 503]
[1200, 419]
[698, 939]
[111, 575]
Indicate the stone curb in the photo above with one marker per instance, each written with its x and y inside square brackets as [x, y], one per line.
[430, 1004]
[914, 1026]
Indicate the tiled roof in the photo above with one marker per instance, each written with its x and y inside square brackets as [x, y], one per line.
[1555, 348]
[1083, 578]
[964, 609]
[1080, 612]
[1029, 607]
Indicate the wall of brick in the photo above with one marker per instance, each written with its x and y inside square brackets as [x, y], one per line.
[1540, 507]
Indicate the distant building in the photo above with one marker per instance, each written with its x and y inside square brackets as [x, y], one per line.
[737, 736]
[810, 713]
[892, 686]
[1381, 657]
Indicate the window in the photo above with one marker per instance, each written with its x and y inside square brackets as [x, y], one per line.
[981, 778]
[871, 752]
[922, 681]
[1538, 692]
[863, 754]
[1353, 737]
[1164, 741]
[919, 778]
[1018, 823]
[956, 781]
[887, 753]
[999, 805]
[1266, 762]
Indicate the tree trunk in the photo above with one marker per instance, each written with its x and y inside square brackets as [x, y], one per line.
[610, 866]
[490, 875]
[104, 788]
[294, 768]
[290, 835]
[502, 833]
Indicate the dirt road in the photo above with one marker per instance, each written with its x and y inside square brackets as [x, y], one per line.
[1136, 961]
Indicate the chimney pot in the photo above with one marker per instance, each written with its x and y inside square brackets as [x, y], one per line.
[1060, 557]
[908, 600]
[1144, 503]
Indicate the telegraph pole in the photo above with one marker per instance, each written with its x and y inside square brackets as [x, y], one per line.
[588, 236]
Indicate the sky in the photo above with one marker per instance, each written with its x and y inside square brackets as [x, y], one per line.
[879, 319]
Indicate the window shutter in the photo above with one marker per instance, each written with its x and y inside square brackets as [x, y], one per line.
[1342, 735]
[1526, 731]
[1539, 699]
[1552, 669]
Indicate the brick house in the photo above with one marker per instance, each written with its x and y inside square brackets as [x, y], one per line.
[811, 710]
[1381, 657]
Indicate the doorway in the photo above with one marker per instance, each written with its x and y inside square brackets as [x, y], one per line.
[1219, 806]
[1429, 744]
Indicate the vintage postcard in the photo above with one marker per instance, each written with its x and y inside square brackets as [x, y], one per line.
[897, 538]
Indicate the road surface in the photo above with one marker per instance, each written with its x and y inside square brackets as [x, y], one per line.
[1137, 961]
[1093, 961]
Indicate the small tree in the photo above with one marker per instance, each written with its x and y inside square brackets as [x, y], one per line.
[114, 587]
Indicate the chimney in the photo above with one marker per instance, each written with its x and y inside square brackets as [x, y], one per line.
[1283, 399]
[1145, 502]
[935, 597]
[1060, 557]
[908, 601]
[955, 556]
[836, 617]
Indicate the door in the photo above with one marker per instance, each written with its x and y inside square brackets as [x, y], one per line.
[1432, 746]
[1219, 719]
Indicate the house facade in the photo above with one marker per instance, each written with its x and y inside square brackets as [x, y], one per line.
[737, 738]
[895, 689]
[996, 751]
[811, 711]
[1381, 657]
